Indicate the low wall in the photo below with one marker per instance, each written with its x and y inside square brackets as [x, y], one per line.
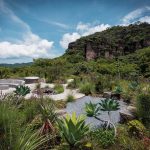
[11, 82]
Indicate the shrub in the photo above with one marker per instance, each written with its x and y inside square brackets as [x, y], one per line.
[70, 98]
[136, 128]
[86, 88]
[143, 107]
[127, 97]
[59, 88]
[72, 85]
[127, 142]
[104, 138]
[30, 109]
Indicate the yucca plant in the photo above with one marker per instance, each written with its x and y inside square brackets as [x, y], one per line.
[49, 117]
[22, 90]
[73, 129]
[30, 140]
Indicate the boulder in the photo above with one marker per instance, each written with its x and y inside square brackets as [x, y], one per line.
[107, 94]
[126, 116]
[132, 109]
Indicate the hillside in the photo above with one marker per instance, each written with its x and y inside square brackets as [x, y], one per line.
[113, 42]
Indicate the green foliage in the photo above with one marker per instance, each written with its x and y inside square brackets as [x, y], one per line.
[73, 129]
[86, 88]
[127, 142]
[143, 105]
[4, 72]
[136, 128]
[10, 121]
[22, 90]
[104, 138]
[30, 109]
[70, 98]
[118, 89]
[58, 88]
[30, 140]
[109, 105]
[133, 86]
[92, 109]
[49, 116]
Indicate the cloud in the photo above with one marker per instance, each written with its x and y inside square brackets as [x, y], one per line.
[81, 30]
[145, 19]
[31, 45]
[67, 38]
[62, 25]
[135, 15]
[82, 27]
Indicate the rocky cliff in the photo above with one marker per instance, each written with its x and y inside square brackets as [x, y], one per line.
[113, 42]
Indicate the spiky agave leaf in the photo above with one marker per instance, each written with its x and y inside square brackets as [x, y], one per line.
[22, 90]
[73, 128]
[109, 105]
[92, 109]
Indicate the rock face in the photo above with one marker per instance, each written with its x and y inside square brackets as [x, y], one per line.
[113, 42]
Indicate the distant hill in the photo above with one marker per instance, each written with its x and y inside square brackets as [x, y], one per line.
[16, 65]
[115, 41]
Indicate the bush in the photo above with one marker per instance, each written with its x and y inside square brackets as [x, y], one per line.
[58, 88]
[30, 109]
[104, 138]
[143, 107]
[136, 128]
[70, 98]
[126, 142]
[73, 84]
[87, 88]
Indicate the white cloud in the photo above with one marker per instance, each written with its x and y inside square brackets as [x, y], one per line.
[69, 37]
[81, 30]
[31, 46]
[145, 19]
[97, 28]
[59, 24]
[82, 27]
[135, 15]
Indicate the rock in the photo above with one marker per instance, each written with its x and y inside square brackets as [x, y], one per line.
[132, 109]
[107, 94]
[126, 116]
[115, 96]
[90, 53]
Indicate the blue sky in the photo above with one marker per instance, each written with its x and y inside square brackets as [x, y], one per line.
[43, 28]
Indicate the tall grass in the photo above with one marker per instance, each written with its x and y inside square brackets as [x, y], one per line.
[87, 88]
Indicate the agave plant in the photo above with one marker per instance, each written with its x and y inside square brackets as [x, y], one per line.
[22, 90]
[92, 110]
[133, 85]
[73, 129]
[110, 105]
[118, 89]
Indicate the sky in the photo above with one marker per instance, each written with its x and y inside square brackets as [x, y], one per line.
[44, 28]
